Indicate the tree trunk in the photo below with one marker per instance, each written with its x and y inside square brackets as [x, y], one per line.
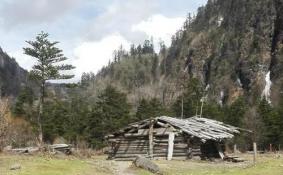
[39, 118]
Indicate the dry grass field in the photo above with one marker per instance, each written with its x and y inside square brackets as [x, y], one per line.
[267, 164]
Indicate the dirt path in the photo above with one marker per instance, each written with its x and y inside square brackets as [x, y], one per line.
[123, 168]
[112, 167]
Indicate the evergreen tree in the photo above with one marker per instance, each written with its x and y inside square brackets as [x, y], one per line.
[24, 101]
[142, 110]
[154, 67]
[191, 99]
[235, 112]
[47, 56]
[150, 109]
[148, 47]
[271, 120]
[110, 113]
[133, 50]
[213, 110]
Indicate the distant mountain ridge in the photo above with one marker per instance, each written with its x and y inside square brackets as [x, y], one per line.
[235, 48]
[12, 76]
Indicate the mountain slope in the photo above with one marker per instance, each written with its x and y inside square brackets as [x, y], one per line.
[228, 46]
[233, 47]
[12, 76]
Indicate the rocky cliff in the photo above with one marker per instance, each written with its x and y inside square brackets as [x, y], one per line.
[12, 76]
[235, 48]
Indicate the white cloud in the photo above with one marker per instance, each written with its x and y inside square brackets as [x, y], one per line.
[93, 55]
[90, 30]
[15, 12]
[119, 16]
[160, 27]
[24, 61]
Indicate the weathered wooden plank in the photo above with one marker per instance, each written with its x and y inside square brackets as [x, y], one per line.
[170, 145]
[150, 138]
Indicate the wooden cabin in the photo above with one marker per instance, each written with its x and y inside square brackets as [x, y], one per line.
[170, 138]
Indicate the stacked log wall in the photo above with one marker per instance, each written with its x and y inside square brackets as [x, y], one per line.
[129, 147]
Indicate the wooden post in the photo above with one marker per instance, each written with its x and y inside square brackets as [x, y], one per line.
[270, 147]
[182, 112]
[150, 138]
[201, 107]
[255, 151]
[170, 145]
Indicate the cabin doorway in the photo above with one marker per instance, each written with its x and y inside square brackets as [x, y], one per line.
[210, 149]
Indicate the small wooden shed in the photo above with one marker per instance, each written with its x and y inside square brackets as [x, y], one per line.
[167, 137]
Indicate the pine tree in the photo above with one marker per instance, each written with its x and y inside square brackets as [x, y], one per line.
[150, 109]
[154, 67]
[25, 98]
[191, 99]
[47, 68]
[271, 121]
[142, 110]
[235, 112]
[110, 113]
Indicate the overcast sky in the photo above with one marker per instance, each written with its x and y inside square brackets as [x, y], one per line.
[89, 30]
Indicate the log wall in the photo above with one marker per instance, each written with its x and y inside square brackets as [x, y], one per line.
[127, 148]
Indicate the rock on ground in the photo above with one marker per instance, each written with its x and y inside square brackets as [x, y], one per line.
[146, 164]
[15, 167]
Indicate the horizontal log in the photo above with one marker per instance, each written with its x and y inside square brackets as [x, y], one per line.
[132, 142]
[175, 145]
[166, 139]
[128, 139]
[132, 145]
[165, 151]
[129, 150]
[125, 150]
[124, 159]
[129, 155]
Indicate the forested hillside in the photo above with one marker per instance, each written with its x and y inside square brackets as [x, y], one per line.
[229, 55]
[229, 46]
[224, 63]
[12, 76]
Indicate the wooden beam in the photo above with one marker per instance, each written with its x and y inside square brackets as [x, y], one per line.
[170, 145]
[150, 138]
[255, 151]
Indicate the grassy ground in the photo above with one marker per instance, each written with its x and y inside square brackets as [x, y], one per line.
[43, 165]
[267, 164]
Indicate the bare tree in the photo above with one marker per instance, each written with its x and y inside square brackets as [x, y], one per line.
[3, 120]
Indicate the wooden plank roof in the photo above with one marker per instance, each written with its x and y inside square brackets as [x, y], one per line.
[202, 128]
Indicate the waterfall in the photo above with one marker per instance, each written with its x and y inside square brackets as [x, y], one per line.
[221, 97]
[266, 91]
[239, 82]
[207, 87]
[219, 21]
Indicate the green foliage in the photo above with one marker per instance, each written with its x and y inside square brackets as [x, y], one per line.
[191, 99]
[110, 113]
[47, 67]
[234, 114]
[150, 109]
[47, 55]
[272, 123]
[66, 118]
[24, 101]
[154, 67]
[214, 111]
